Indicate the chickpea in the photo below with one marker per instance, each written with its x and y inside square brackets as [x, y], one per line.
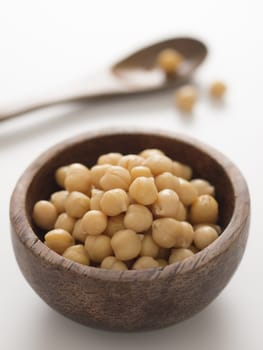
[60, 175]
[143, 190]
[97, 172]
[77, 253]
[112, 263]
[182, 170]
[110, 158]
[45, 215]
[149, 247]
[58, 199]
[58, 240]
[169, 60]
[203, 187]
[115, 224]
[216, 227]
[185, 239]
[180, 254]
[78, 178]
[131, 161]
[139, 171]
[217, 89]
[167, 181]
[167, 204]
[98, 247]
[165, 232]
[158, 164]
[181, 213]
[204, 236]
[65, 222]
[126, 244]
[94, 222]
[77, 204]
[115, 177]
[138, 218]
[114, 202]
[78, 232]
[204, 210]
[96, 196]
[145, 262]
[187, 192]
[162, 262]
[131, 200]
[185, 98]
[150, 152]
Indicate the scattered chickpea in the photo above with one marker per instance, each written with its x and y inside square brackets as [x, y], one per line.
[185, 98]
[167, 204]
[45, 215]
[181, 213]
[216, 227]
[65, 222]
[60, 175]
[77, 253]
[109, 158]
[78, 178]
[115, 224]
[203, 187]
[165, 232]
[204, 236]
[149, 247]
[138, 218]
[182, 170]
[185, 239]
[150, 152]
[77, 204]
[187, 192]
[115, 177]
[94, 222]
[58, 199]
[131, 161]
[217, 89]
[180, 254]
[158, 164]
[143, 190]
[204, 210]
[139, 171]
[96, 173]
[112, 263]
[98, 247]
[95, 199]
[167, 181]
[169, 60]
[126, 244]
[58, 240]
[114, 202]
[145, 262]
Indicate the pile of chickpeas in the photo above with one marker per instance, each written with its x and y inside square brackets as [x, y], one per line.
[134, 211]
[170, 61]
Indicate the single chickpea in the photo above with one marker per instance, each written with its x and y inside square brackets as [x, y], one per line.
[203, 187]
[216, 227]
[77, 253]
[138, 218]
[115, 224]
[167, 204]
[60, 175]
[165, 232]
[167, 181]
[94, 222]
[65, 222]
[204, 210]
[139, 171]
[143, 190]
[186, 237]
[169, 60]
[187, 192]
[145, 262]
[149, 247]
[45, 214]
[150, 152]
[204, 236]
[180, 254]
[77, 204]
[181, 213]
[96, 173]
[217, 89]
[95, 199]
[115, 177]
[114, 202]
[58, 240]
[162, 262]
[126, 244]
[98, 247]
[112, 263]
[185, 98]
[58, 199]
[158, 164]
[131, 161]
[109, 158]
[182, 170]
[78, 232]
[78, 178]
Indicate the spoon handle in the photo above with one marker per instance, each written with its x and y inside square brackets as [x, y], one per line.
[101, 85]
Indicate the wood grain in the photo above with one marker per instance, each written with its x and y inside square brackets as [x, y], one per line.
[130, 300]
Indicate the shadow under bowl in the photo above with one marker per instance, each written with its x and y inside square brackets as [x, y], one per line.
[130, 300]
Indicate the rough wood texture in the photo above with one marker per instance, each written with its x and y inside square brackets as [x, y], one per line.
[130, 300]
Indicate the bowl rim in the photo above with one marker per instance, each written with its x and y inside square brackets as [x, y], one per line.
[30, 240]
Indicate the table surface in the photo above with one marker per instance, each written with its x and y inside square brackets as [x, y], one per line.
[48, 44]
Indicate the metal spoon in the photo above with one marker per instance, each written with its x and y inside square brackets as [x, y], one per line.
[136, 73]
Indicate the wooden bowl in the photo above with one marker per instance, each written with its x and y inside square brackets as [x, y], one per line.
[130, 300]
